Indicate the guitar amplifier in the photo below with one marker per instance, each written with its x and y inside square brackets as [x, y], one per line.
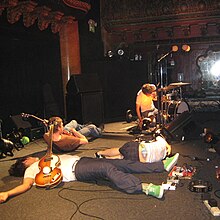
[36, 133]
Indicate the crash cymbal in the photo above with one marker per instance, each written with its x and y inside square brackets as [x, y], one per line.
[179, 84]
[167, 88]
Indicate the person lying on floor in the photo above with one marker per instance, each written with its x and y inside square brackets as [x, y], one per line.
[85, 169]
[69, 137]
[151, 151]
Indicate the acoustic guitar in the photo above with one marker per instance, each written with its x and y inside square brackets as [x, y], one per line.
[50, 174]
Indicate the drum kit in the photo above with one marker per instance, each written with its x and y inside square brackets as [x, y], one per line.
[172, 103]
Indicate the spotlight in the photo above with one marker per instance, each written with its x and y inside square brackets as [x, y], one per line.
[175, 48]
[110, 54]
[186, 48]
[120, 52]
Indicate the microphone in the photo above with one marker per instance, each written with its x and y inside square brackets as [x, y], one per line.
[200, 159]
[173, 49]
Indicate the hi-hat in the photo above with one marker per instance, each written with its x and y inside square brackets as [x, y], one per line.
[179, 84]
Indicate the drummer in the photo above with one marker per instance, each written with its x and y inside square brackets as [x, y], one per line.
[145, 104]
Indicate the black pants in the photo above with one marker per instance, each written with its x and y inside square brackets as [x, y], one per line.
[116, 171]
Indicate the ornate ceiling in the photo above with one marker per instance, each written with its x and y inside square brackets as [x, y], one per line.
[45, 12]
[146, 20]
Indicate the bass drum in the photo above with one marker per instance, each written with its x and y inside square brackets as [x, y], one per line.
[176, 108]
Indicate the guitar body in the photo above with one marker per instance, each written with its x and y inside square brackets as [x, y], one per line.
[50, 175]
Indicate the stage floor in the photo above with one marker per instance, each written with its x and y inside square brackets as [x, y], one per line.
[83, 201]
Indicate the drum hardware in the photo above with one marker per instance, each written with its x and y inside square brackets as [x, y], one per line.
[172, 104]
[200, 186]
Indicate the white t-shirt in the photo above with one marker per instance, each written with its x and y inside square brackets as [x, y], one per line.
[66, 167]
[155, 150]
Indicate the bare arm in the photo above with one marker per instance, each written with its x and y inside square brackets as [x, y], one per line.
[25, 186]
[138, 111]
[83, 139]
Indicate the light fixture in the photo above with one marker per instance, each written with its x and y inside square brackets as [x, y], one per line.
[215, 69]
[186, 48]
[110, 54]
[120, 52]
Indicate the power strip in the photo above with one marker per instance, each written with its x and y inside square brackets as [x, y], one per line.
[214, 210]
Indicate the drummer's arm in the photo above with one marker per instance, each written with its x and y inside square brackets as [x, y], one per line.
[138, 111]
[154, 95]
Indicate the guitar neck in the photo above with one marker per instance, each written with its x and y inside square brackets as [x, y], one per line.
[49, 150]
[33, 116]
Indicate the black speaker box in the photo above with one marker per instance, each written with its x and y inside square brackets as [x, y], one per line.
[85, 108]
[83, 83]
[184, 127]
[27, 128]
[84, 99]
[20, 123]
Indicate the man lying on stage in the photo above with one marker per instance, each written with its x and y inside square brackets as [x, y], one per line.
[146, 152]
[71, 136]
[83, 169]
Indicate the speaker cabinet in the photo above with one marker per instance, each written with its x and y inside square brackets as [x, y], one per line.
[20, 123]
[86, 107]
[27, 127]
[84, 99]
[184, 127]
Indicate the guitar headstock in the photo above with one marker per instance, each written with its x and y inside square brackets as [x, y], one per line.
[25, 115]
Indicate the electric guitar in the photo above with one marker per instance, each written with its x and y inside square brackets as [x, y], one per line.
[50, 174]
[25, 115]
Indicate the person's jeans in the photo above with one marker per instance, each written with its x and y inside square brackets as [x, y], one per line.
[116, 171]
[86, 130]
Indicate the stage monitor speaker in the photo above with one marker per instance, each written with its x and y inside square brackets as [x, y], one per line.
[184, 127]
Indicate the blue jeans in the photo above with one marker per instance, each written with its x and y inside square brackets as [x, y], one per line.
[117, 171]
[86, 130]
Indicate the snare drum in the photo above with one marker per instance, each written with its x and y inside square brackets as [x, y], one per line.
[176, 108]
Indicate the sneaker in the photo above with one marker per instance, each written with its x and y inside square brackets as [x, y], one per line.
[170, 162]
[154, 190]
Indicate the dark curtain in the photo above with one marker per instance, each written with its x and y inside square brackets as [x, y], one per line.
[29, 60]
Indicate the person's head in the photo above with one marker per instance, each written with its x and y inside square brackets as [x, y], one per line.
[147, 89]
[19, 167]
[57, 122]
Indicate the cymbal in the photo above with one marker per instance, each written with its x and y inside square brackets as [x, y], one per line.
[166, 88]
[179, 84]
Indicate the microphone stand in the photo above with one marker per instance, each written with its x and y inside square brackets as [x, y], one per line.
[160, 94]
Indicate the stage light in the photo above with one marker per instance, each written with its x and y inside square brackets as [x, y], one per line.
[120, 52]
[110, 54]
[186, 48]
[175, 48]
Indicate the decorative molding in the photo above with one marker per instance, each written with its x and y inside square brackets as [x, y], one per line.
[14, 13]
[7, 3]
[44, 15]
[57, 25]
[186, 31]
[84, 6]
[46, 19]
[30, 17]
[204, 29]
